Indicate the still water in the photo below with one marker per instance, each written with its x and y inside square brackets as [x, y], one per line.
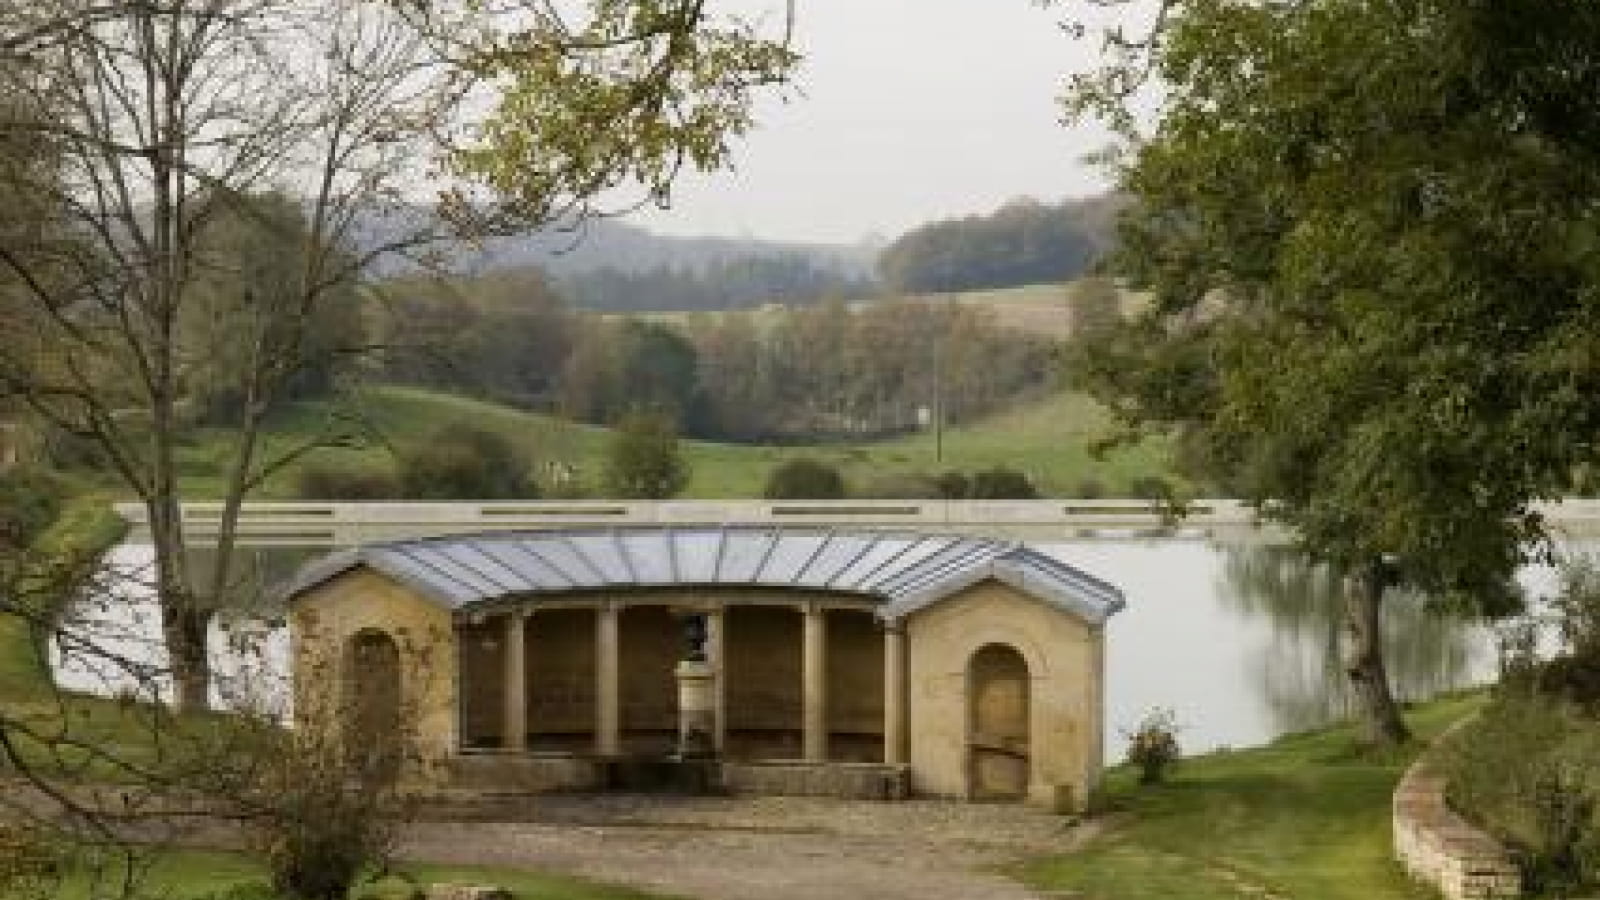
[1239, 640]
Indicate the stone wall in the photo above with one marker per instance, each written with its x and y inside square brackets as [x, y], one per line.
[850, 781]
[1439, 847]
[762, 672]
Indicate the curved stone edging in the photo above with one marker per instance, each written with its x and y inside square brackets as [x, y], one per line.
[1438, 846]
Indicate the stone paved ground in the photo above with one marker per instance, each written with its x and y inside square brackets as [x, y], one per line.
[765, 848]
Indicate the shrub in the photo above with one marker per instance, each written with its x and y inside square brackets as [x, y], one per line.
[643, 461]
[953, 485]
[1153, 745]
[804, 479]
[463, 462]
[1528, 770]
[1001, 483]
[30, 499]
[900, 486]
[328, 481]
[1090, 489]
[1150, 487]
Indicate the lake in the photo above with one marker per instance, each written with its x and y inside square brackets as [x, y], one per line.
[1239, 640]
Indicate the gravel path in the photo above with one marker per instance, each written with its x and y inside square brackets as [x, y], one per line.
[764, 848]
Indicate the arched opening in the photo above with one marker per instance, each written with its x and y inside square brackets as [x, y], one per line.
[372, 703]
[998, 757]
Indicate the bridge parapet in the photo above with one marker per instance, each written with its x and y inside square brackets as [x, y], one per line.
[338, 524]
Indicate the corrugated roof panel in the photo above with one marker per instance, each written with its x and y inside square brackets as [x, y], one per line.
[838, 552]
[558, 553]
[879, 552]
[467, 554]
[516, 554]
[650, 555]
[744, 554]
[790, 558]
[906, 570]
[957, 556]
[437, 555]
[698, 552]
[915, 554]
[603, 553]
[406, 566]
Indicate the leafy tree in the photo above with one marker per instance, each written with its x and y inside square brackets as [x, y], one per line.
[804, 479]
[643, 461]
[1370, 234]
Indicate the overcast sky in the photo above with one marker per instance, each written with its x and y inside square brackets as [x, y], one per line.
[908, 110]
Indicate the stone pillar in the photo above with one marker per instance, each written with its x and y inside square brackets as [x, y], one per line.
[716, 641]
[514, 730]
[894, 694]
[607, 706]
[815, 683]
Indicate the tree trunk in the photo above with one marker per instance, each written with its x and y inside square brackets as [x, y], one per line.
[185, 631]
[1377, 713]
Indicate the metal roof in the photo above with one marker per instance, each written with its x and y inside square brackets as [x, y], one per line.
[904, 571]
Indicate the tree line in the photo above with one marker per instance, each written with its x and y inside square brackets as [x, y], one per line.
[1024, 242]
[739, 283]
[827, 371]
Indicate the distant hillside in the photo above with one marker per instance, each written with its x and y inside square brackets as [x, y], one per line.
[1043, 309]
[612, 244]
[1023, 242]
[1049, 439]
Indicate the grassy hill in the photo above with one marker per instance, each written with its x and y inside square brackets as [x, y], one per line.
[1048, 439]
[1037, 308]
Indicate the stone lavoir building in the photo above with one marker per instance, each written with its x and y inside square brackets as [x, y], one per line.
[858, 664]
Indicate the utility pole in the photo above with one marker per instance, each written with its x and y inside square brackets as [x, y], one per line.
[938, 384]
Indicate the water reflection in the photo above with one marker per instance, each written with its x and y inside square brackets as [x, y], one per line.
[1300, 671]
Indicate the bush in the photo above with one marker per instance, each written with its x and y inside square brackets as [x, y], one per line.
[1150, 487]
[1089, 489]
[1528, 768]
[327, 481]
[900, 486]
[953, 485]
[643, 461]
[1001, 483]
[462, 462]
[30, 499]
[804, 479]
[1153, 745]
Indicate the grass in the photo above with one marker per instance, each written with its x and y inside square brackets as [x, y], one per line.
[1306, 816]
[191, 875]
[1048, 438]
[85, 528]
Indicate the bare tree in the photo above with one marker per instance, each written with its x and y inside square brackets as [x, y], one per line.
[403, 128]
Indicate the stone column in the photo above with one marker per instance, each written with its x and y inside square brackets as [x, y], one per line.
[716, 642]
[816, 683]
[894, 694]
[514, 729]
[607, 707]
